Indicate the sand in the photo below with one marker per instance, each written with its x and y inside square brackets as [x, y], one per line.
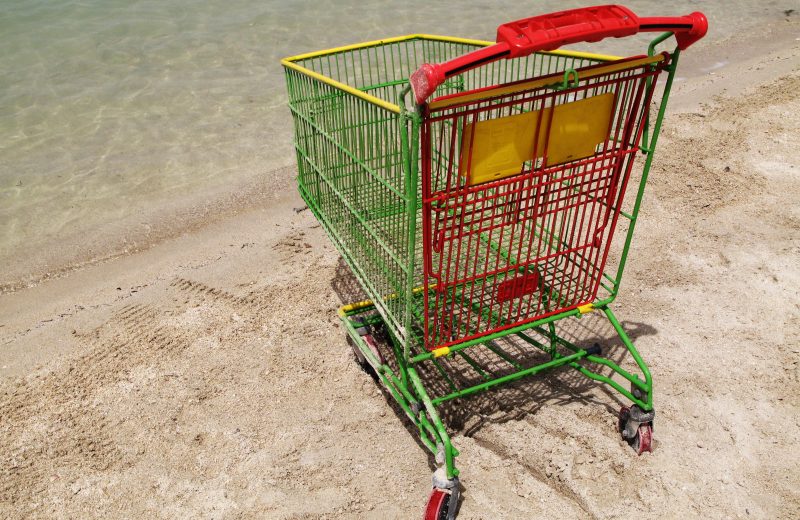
[207, 376]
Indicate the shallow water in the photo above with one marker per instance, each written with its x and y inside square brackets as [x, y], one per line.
[112, 110]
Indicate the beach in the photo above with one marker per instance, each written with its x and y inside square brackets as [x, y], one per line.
[194, 366]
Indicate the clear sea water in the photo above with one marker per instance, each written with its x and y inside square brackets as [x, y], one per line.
[113, 110]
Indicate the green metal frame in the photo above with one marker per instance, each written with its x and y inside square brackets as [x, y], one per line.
[358, 167]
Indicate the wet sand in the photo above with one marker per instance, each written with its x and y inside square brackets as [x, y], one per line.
[207, 375]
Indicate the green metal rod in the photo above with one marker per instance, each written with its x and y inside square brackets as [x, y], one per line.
[511, 377]
[449, 452]
[411, 164]
[599, 360]
[443, 373]
[610, 382]
[496, 335]
[593, 375]
[651, 50]
[424, 435]
[347, 153]
[337, 241]
[372, 232]
[398, 390]
[533, 342]
[645, 172]
[474, 364]
[502, 355]
[648, 379]
[398, 354]
[646, 386]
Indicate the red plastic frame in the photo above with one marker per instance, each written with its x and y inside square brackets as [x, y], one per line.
[551, 31]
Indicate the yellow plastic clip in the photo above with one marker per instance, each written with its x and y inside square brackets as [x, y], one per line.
[583, 309]
[439, 352]
[350, 307]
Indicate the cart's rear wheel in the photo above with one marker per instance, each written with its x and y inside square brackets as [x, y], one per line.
[643, 440]
[438, 506]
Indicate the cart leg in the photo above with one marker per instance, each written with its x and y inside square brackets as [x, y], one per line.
[414, 400]
[643, 389]
[635, 423]
[553, 339]
[445, 493]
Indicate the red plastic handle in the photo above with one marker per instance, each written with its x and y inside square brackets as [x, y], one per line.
[551, 31]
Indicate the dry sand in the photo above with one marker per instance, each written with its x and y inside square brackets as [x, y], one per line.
[208, 376]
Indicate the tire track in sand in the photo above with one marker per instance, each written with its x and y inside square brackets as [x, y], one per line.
[56, 421]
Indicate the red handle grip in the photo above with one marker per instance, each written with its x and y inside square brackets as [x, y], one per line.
[551, 31]
[688, 29]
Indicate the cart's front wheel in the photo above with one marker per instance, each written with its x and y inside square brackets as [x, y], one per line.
[372, 345]
[439, 506]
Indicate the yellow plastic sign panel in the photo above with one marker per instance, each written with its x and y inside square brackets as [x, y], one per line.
[497, 148]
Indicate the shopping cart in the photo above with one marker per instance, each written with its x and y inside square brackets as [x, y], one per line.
[474, 188]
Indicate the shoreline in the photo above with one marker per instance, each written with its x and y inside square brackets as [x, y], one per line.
[42, 262]
[75, 252]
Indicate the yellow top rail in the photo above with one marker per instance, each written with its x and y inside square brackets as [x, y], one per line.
[290, 62]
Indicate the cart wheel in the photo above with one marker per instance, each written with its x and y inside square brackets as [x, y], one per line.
[622, 418]
[644, 439]
[369, 339]
[438, 506]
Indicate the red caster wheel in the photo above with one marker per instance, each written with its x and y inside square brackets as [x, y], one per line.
[644, 439]
[373, 347]
[640, 439]
[438, 507]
